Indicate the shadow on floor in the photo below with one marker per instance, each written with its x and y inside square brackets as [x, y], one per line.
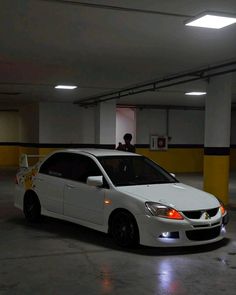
[65, 230]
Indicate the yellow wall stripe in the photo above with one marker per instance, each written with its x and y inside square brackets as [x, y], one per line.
[176, 159]
[9, 155]
[216, 176]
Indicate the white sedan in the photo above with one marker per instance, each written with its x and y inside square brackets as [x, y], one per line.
[124, 194]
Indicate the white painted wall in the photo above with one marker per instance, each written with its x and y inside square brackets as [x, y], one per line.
[186, 126]
[9, 126]
[29, 123]
[105, 123]
[66, 123]
[87, 121]
[149, 122]
[125, 123]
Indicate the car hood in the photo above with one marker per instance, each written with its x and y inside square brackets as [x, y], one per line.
[177, 195]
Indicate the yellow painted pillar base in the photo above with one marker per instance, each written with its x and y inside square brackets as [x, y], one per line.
[216, 176]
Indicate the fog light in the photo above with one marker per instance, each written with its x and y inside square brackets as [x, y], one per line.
[165, 235]
[223, 230]
[169, 235]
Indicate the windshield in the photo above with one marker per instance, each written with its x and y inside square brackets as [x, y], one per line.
[134, 170]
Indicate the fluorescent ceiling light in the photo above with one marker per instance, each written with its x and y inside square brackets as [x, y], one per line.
[211, 20]
[66, 87]
[195, 93]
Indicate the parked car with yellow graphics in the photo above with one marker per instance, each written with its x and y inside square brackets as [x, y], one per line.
[121, 193]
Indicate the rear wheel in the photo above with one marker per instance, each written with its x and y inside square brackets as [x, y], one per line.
[124, 229]
[32, 207]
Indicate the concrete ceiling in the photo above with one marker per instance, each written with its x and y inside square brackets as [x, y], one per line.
[100, 48]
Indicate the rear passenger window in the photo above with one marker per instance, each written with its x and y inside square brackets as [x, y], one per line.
[56, 165]
[70, 166]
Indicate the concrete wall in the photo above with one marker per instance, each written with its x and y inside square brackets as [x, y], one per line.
[149, 122]
[65, 123]
[9, 126]
[69, 123]
[87, 132]
[29, 124]
[105, 123]
[185, 126]
[185, 129]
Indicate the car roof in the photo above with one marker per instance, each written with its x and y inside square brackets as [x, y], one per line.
[99, 152]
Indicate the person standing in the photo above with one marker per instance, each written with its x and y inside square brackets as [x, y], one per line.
[127, 146]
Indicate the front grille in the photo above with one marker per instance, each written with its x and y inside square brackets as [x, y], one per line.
[193, 214]
[203, 234]
[212, 212]
[198, 213]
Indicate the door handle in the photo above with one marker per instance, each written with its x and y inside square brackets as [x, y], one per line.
[70, 186]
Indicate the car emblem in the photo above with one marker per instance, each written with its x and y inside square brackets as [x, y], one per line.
[207, 216]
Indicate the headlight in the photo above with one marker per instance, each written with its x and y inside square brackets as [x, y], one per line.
[222, 208]
[163, 211]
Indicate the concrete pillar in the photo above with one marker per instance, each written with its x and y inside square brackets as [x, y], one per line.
[105, 123]
[217, 136]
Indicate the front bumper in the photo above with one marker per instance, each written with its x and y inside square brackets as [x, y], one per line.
[161, 232]
[225, 219]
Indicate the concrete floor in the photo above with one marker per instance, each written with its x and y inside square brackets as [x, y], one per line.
[57, 257]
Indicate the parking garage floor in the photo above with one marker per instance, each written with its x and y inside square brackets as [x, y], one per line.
[57, 257]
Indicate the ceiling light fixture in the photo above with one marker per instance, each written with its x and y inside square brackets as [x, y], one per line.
[68, 87]
[212, 20]
[195, 93]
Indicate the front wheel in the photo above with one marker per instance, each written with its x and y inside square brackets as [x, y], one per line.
[32, 208]
[124, 229]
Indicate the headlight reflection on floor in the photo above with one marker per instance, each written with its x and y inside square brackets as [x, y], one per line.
[167, 282]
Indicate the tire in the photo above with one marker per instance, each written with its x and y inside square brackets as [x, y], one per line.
[32, 208]
[124, 229]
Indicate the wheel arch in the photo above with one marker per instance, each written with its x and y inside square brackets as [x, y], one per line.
[133, 237]
[30, 193]
[116, 211]
[31, 207]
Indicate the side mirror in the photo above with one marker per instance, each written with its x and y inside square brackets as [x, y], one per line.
[95, 181]
[172, 174]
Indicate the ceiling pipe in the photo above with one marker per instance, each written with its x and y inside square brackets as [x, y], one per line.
[117, 8]
[177, 79]
[162, 107]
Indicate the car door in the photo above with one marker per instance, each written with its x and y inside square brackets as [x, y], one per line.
[50, 181]
[82, 201]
